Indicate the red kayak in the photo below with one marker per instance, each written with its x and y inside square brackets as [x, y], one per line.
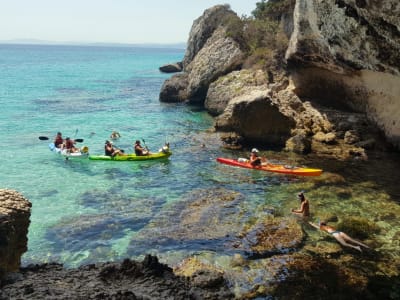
[283, 169]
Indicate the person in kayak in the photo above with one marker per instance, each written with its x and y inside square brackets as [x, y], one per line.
[340, 236]
[70, 145]
[110, 150]
[59, 141]
[139, 150]
[304, 206]
[256, 160]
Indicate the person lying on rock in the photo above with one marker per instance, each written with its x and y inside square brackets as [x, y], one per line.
[340, 236]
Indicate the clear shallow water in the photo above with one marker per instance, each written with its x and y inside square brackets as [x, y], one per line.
[87, 211]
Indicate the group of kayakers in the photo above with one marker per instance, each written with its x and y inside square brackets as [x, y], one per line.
[65, 144]
[109, 148]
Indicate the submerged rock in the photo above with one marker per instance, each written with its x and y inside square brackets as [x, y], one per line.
[271, 236]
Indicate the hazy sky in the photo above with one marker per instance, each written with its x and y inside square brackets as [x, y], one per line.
[119, 21]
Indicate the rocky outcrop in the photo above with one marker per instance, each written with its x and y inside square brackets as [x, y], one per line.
[210, 54]
[339, 93]
[346, 54]
[234, 84]
[171, 68]
[148, 279]
[203, 28]
[174, 89]
[14, 221]
[219, 56]
[257, 117]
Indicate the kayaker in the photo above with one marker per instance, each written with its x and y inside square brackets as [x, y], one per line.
[109, 149]
[255, 160]
[59, 141]
[304, 206]
[70, 145]
[139, 150]
[340, 236]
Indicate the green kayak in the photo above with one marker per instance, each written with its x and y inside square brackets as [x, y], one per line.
[133, 157]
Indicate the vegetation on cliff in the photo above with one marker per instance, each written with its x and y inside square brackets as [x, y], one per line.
[262, 35]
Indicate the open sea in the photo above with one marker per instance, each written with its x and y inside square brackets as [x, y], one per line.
[90, 211]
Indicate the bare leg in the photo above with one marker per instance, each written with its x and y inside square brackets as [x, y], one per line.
[346, 237]
[339, 238]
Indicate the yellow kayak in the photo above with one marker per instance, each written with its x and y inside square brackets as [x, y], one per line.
[163, 153]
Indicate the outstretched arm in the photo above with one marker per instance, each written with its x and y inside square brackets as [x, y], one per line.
[314, 225]
[299, 211]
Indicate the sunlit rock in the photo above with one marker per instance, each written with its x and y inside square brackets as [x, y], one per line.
[15, 212]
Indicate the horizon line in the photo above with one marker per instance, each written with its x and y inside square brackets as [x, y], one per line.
[69, 43]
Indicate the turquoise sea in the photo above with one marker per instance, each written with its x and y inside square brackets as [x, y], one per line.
[89, 211]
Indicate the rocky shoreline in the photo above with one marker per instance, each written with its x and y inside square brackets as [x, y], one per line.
[129, 279]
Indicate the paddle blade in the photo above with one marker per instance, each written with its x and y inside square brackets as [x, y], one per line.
[43, 138]
[78, 140]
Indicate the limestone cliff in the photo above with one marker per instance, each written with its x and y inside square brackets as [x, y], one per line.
[346, 54]
[14, 222]
[340, 87]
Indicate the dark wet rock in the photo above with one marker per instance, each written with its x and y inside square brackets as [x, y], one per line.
[15, 212]
[300, 144]
[129, 279]
[270, 236]
[174, 89]
[232, 140]
[309, 277]
[172, 68]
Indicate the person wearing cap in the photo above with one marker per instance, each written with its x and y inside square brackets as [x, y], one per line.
[139, 150]
[304, 206]
[255, 160]
[109, 149]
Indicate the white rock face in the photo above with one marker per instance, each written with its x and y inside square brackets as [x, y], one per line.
[347, 52]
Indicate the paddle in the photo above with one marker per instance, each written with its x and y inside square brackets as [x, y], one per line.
[144, 143]
[45, 138]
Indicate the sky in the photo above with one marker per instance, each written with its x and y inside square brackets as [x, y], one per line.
[106, 21]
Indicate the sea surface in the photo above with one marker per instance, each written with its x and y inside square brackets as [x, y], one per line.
[89, 211]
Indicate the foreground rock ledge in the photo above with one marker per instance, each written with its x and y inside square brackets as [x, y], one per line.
[148, 279]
